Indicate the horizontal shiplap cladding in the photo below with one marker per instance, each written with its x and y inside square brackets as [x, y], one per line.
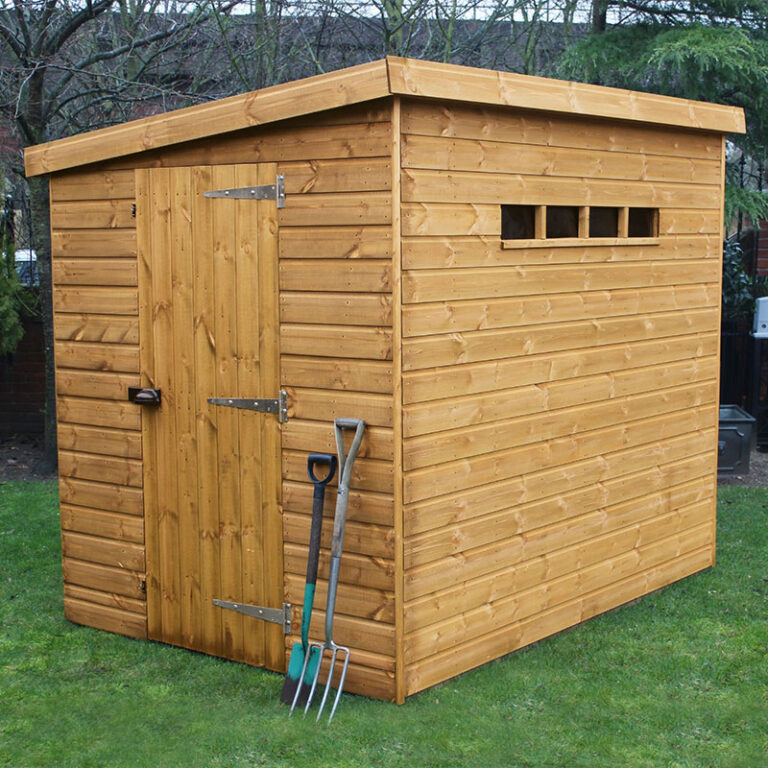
[663, 538]
[482, 123]
[484, 314]
[518, 634]
[427, 186]
[500, 156]
[467, 379]
[533, 529]
[483, 449]
[485, 578]
[487, 251]
[478, 282]
[554, 469]
[508, 343]
[95, 300]
[514, 402]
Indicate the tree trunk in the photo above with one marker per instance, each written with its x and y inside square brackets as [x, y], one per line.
[599, 15]
[39, 199]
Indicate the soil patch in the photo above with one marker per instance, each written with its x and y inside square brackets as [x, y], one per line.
[22, 458]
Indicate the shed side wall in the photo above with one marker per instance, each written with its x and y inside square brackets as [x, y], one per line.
[95, 300]
[336, 352]
[559, 404]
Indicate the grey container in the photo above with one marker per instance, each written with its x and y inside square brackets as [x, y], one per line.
[734, 440]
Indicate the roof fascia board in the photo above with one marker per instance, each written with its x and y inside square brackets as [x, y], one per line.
[300, 97]
[413, 77]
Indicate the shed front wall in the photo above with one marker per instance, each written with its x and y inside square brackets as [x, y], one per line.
[559, 403]
[335, 242]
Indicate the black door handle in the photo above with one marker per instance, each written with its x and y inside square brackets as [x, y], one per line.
[144, 395]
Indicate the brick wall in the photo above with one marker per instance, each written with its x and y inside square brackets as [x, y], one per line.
[22, 384]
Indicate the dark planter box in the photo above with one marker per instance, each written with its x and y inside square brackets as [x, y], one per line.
[734, 440]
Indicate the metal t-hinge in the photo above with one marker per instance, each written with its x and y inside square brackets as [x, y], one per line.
[274, 615]
[274, 191]
[278, 406]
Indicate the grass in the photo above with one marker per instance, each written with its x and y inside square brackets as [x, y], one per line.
[679, 679]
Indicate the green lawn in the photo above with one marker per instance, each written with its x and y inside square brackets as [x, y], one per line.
[679, 679]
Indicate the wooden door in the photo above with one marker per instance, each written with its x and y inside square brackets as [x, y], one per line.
[209, 328]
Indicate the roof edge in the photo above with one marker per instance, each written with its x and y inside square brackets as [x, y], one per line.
[344, 87]
[413, 77]
[366, 82]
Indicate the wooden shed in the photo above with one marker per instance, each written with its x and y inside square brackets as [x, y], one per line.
[516, 283]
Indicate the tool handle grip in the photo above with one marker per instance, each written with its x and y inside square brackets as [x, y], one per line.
[321, 458]
[318, 500]
[346, 462]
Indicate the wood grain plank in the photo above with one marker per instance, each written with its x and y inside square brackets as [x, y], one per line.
[337, 374]
[337, 341]
[479, 122]
[340, 175]
[106, 525]
[320, 404]
[93, 185]
[454, 631]
[105, 617]
[502, 343]
[427, 186]
[491, 584]
[109, 329]
[94, 271]
[336, 308]
[100, 243]
[565, 474]
[98, 413]
[336, 275]
[108, 301]
[94, 549]
[106, 385]
[365, 539]
[361, 602]
[338, 209]
[420, 386]
[103, 578]
[520, 634]
[447, 285]
[104, 496]
[100, 356]
[105, 469]
[93, 214]
[111, 442]
[335, 242]
[488, 251]
[489, 465]
[500, 156]
[481, 314]
[111, 600]
[451, 413]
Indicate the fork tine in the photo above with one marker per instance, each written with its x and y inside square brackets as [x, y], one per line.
[329, 682]
[340, 687]
[320, 649]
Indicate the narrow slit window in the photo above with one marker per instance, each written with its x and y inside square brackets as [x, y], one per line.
[643, 222]
[518, 222]
[603, 221]
[562, 221]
